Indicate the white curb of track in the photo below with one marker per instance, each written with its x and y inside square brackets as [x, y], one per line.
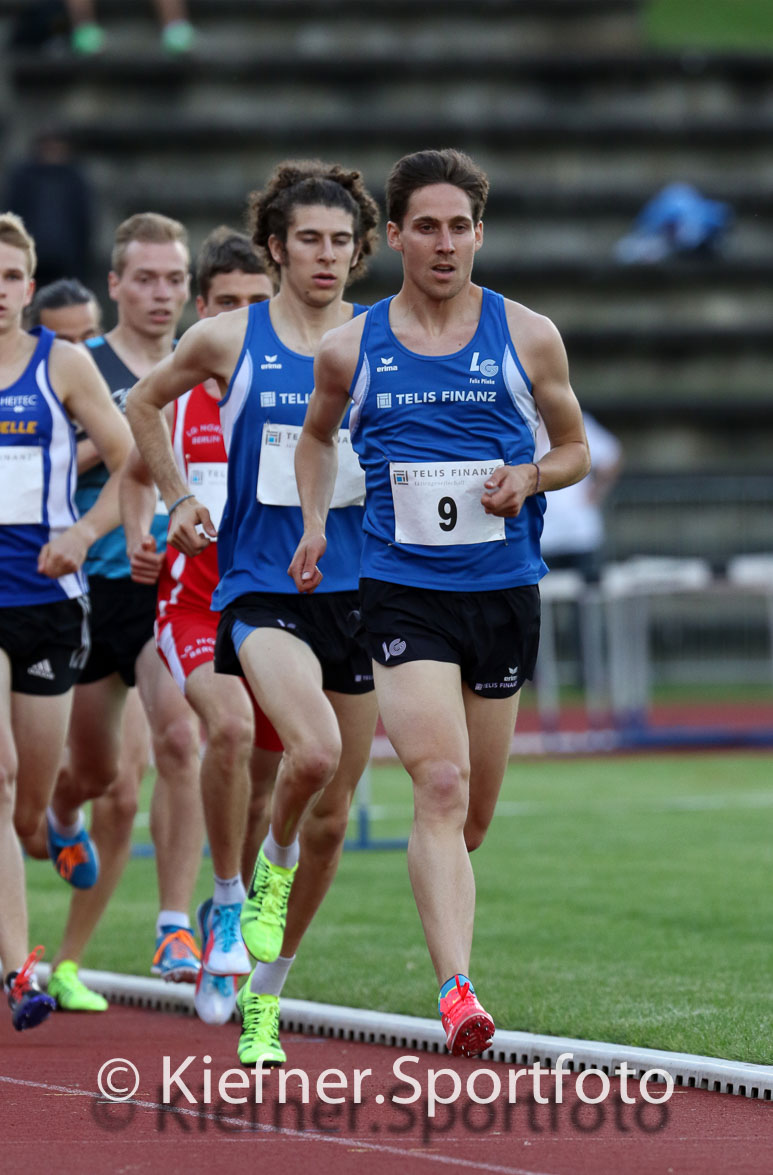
[416, 1034]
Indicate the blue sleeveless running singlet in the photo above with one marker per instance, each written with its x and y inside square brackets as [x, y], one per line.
[37, 482]
[428, 430]
[262, 415]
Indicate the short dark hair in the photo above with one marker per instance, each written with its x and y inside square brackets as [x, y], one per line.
[66, 291]
[301, 182]
[224, 251]
[423, 168]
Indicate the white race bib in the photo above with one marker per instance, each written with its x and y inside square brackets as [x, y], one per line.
[21, 485]
[437, 504]
[209, 482]
[276, 475]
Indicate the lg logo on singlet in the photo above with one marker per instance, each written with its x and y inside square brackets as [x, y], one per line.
[396, 648]
[487, 368]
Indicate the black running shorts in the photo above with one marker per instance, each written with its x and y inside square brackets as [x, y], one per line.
[327, 623]
[122, 617]
[492, 636]
[46, 644]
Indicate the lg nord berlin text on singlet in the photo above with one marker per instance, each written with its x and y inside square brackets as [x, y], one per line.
[38, 471]
[262, 415]
[429, 430]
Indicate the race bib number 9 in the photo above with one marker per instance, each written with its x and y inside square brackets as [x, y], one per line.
[21, 485]
[276, 475]
[438, 504]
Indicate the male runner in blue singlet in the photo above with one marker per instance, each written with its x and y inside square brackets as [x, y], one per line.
[316, 224]
[45, 386]
[445, 383]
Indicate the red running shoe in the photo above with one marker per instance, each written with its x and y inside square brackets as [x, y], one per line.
[469, 1028]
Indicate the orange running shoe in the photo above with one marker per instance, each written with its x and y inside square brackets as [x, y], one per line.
[469, 1028]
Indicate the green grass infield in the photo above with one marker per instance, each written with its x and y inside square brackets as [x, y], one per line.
[625, 898]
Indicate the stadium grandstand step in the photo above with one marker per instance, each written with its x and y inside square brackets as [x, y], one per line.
[578, 124]
[676, 83]
[334, 24]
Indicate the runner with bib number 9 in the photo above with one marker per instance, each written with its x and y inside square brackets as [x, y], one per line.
[446, 382]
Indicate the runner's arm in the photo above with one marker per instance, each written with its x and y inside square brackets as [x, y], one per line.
[85, 396]
[316, 455]
[201, 354]
[567, 460]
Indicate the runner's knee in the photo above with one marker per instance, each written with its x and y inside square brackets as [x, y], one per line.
[229, 738]
[440, 788]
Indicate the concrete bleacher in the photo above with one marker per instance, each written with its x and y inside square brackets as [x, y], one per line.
[577, 123]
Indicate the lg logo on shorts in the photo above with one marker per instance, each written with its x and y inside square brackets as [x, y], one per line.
[396, 648]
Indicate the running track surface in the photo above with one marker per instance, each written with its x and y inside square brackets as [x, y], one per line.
[52, 1116]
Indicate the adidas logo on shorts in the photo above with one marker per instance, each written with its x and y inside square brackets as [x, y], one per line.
[42, 669]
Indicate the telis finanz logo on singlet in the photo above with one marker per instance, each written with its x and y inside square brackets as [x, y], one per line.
[487, 368]
[271, 363]
[387, 364]
[268, 399]
[383, 399]
[395, 648]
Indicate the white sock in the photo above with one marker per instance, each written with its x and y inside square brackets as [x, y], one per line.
[286, 856]
[229, 891]
[177, 918]
[68, 831]
[269, 978]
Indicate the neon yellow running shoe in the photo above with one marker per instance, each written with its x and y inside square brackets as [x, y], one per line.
[264, 912]
[70, 993]
[259, 1040]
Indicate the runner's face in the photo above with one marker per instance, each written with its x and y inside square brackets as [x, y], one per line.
[234, 291]
[16, 286]
[153, 287]
[319, 253]
[73, 323]
[438, 240]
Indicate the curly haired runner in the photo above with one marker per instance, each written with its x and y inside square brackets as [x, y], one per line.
[316, 225]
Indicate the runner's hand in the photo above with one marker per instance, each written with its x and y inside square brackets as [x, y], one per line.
[303, 568]
[507, 489]
[145, 561]
[64, 554]
[190, 528]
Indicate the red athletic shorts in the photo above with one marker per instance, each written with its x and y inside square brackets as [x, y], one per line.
[185, 640]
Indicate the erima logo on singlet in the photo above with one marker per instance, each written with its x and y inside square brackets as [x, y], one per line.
[488, 367]
[387, 364]
[271, 363]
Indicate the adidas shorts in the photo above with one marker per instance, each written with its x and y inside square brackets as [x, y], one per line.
[46, 644]
[492, 636]
[185, 639]
[122, 618]
[328, 624]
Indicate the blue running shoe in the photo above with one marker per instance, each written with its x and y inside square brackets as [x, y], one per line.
[177, 957]
[75, 858]
[223, 949]
[29, 1005]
